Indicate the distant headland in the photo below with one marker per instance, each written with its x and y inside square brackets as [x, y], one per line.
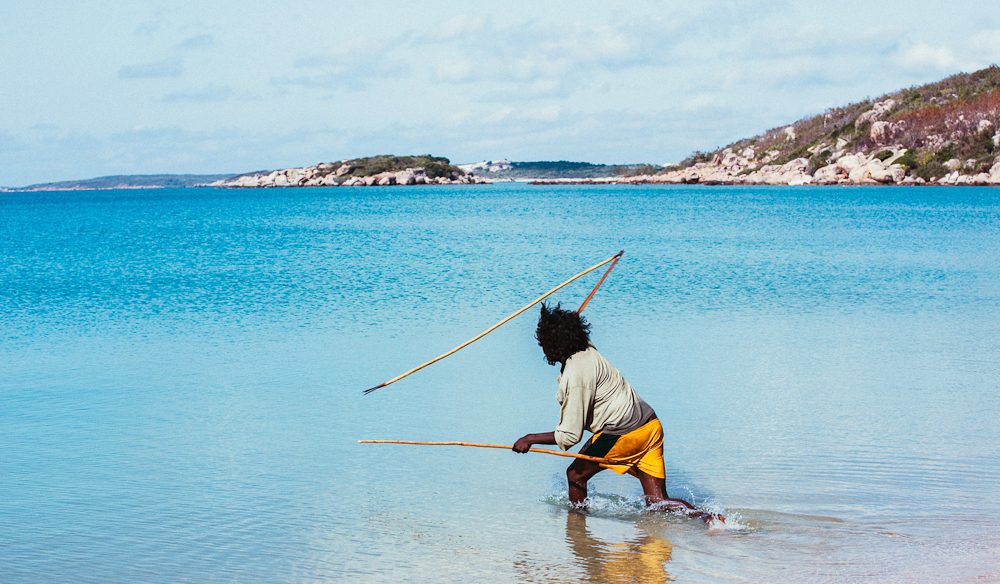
[943, 133]
[125, 181]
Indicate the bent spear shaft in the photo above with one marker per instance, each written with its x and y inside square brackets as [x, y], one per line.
[502, 446]
[599, 282]
[499, 324]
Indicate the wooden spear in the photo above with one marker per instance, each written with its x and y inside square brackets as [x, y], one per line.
[501, 446]
[507, 319]
[599, 282]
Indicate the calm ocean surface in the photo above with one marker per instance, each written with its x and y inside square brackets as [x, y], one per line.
[181, 376]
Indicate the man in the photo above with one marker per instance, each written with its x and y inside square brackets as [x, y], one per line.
[593, 395]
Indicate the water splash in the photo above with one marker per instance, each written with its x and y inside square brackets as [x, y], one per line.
[631, 508]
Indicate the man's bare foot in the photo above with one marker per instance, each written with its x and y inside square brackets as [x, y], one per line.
[706, 516]
[710, 517]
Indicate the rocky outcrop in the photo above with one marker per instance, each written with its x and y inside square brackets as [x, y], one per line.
[857, 168]
[487, 166]
[878, 111]
[328, 174]
[731, 168]
[883, 133]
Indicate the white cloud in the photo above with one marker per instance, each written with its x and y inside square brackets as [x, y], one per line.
[349, 65]
[456, 27]
[704, 102]
[9, 142]
[986, 46]
[457, 71]
[922, 56]
[556, 87]
[171, 67]
[530, 52]
[149, 27]
[496, 116]
[198, 41]
[210, 93]
[598, 46]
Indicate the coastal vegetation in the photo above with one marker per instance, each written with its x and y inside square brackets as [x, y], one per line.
[943, 131]
[434, 166]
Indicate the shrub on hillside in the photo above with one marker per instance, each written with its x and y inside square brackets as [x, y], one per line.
[908, 160]
[818, 161]
[434, 166]
[638, 170]
[958, 120]
[695, 158]
[931, 170]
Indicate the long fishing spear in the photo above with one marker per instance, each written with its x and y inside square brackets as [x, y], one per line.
[501, 446]
[617, 257]
[611, 260]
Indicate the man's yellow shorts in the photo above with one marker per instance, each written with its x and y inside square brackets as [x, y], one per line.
[641, 448]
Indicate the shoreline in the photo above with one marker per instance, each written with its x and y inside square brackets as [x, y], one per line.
[888, 167]
[609, 181]
[71, 189]
[716, 183]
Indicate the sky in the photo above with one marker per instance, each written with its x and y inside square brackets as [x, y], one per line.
[91, 88]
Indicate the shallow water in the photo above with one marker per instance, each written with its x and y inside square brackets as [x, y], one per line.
[181, 376]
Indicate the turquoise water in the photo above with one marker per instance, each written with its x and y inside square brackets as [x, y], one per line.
[181, 376]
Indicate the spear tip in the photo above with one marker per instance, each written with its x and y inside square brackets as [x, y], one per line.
[371, 389]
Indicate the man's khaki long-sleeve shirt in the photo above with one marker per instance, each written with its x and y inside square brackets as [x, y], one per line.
[594, 396]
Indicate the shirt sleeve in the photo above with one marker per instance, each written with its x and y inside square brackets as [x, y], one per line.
[573, 413]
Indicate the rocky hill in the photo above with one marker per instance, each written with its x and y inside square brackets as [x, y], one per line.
[942, 133]
[384, 170]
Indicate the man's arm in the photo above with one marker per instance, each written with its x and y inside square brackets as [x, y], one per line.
[573, 411]
[525, 442]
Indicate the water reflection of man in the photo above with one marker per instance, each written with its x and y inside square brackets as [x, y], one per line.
[593, 395]
[639, 560]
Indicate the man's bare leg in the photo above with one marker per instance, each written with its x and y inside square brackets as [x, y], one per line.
[577, 476]
[655, 491]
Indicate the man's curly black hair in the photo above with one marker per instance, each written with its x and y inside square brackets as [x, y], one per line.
[561, 333]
